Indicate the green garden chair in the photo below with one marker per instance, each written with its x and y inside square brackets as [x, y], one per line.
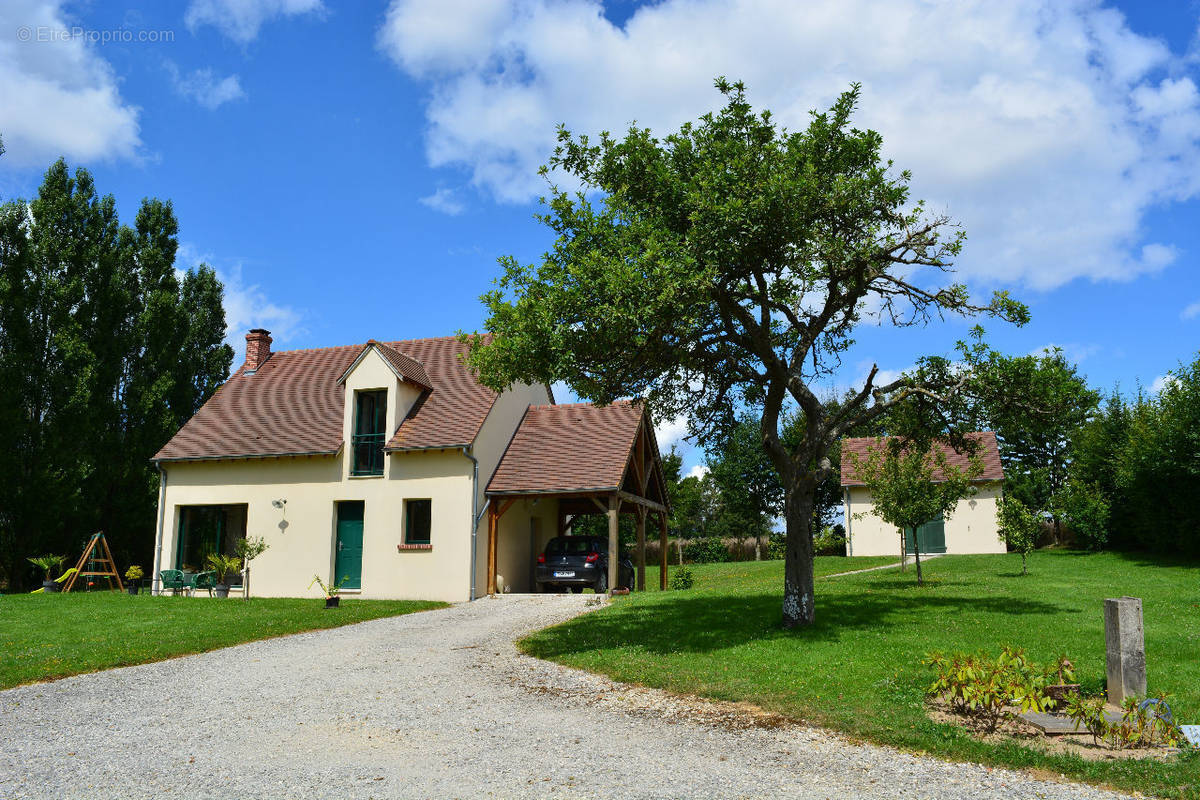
[172, 579]
[203, 580]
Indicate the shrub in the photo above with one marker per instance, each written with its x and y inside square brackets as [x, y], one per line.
[1148, 723]
[777, 547]
[134, 573]
[830, 541]
[682, 579]
[1084, 510]
[979, 687]
[705, 550]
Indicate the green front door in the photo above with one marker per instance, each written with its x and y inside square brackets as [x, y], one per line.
[348, 563]
[931, 535]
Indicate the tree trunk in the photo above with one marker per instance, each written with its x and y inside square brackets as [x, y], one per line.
[1024, 570]
[917, 555]
[798, 606]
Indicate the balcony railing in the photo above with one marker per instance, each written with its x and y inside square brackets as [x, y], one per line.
[367, 454]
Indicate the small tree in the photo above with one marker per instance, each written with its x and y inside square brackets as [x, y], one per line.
[1019, 527]
[247, 550]
[912, 485]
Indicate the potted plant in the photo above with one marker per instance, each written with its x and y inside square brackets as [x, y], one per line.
[330, 590]
[133, 575]
[1064, 670]
[222, 565]
[48, 564]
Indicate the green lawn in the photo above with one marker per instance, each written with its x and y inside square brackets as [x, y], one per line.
[739, 577]
[858, 668]
[52, 636]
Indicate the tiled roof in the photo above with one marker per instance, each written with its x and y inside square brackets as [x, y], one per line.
[406, 365]
[450, 415]
[569, 448]
[987, 452]
[293, 405]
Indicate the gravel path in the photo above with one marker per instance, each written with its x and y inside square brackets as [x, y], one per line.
[437, 704]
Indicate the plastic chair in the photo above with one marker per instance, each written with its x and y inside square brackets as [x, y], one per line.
[203, 580]
[172, 579]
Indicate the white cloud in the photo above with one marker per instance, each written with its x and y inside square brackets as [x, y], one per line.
[670, 431]
[446, 201]
[60, 98]
[1047, 128]
[1162, 382]
[698, 471]
[1191, 312]
[246, 305]
[240, 20]
[203, 86]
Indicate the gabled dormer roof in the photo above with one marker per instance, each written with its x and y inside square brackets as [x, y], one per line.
[294, 404]
[405, 366]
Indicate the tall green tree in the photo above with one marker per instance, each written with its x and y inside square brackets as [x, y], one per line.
[103, 356]
[1035, 404]
[749, 493]
[725, 267]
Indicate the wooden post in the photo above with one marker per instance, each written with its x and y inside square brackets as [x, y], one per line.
[662, 551]
[491, 557]
[641, 547]
[614, 553]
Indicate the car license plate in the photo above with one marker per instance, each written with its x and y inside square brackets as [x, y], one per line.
[564, 574]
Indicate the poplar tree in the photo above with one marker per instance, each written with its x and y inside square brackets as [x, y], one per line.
[103, 356]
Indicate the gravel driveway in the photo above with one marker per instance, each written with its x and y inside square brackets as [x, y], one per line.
[436, 704]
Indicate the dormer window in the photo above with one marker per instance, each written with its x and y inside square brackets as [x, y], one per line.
[370, 420]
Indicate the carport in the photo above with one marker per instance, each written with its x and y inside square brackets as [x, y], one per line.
[591, 460]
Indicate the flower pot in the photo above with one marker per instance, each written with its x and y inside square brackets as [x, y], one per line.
[1059, 692]
[132, 588]
[332, 602]
[50, 587]
[221, 590]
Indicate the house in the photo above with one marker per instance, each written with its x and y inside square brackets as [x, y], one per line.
[389, 466]
[972, 528]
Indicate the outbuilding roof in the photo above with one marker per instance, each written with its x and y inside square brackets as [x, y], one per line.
[987, 451]
[569, 448]
[293, 404]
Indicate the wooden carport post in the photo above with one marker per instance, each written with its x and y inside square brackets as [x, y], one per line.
[662, 550]
[491, 558]
[641, 548]
[614, 508]
[495, 512]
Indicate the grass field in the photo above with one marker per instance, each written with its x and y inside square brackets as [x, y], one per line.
[53, 636]
[858, 668]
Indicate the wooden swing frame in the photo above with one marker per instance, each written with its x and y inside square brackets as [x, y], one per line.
[101, 559]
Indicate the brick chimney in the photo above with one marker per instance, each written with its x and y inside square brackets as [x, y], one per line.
[258, 348]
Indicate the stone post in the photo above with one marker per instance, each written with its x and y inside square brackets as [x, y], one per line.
[1125, 649]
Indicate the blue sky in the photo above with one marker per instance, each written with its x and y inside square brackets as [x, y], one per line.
[354, 170]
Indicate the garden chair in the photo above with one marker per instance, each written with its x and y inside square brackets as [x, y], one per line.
[172, 579]
[203, 580]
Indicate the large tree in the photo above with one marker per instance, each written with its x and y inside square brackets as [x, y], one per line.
[1035, 404]
[723, 270]
[104, 354]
